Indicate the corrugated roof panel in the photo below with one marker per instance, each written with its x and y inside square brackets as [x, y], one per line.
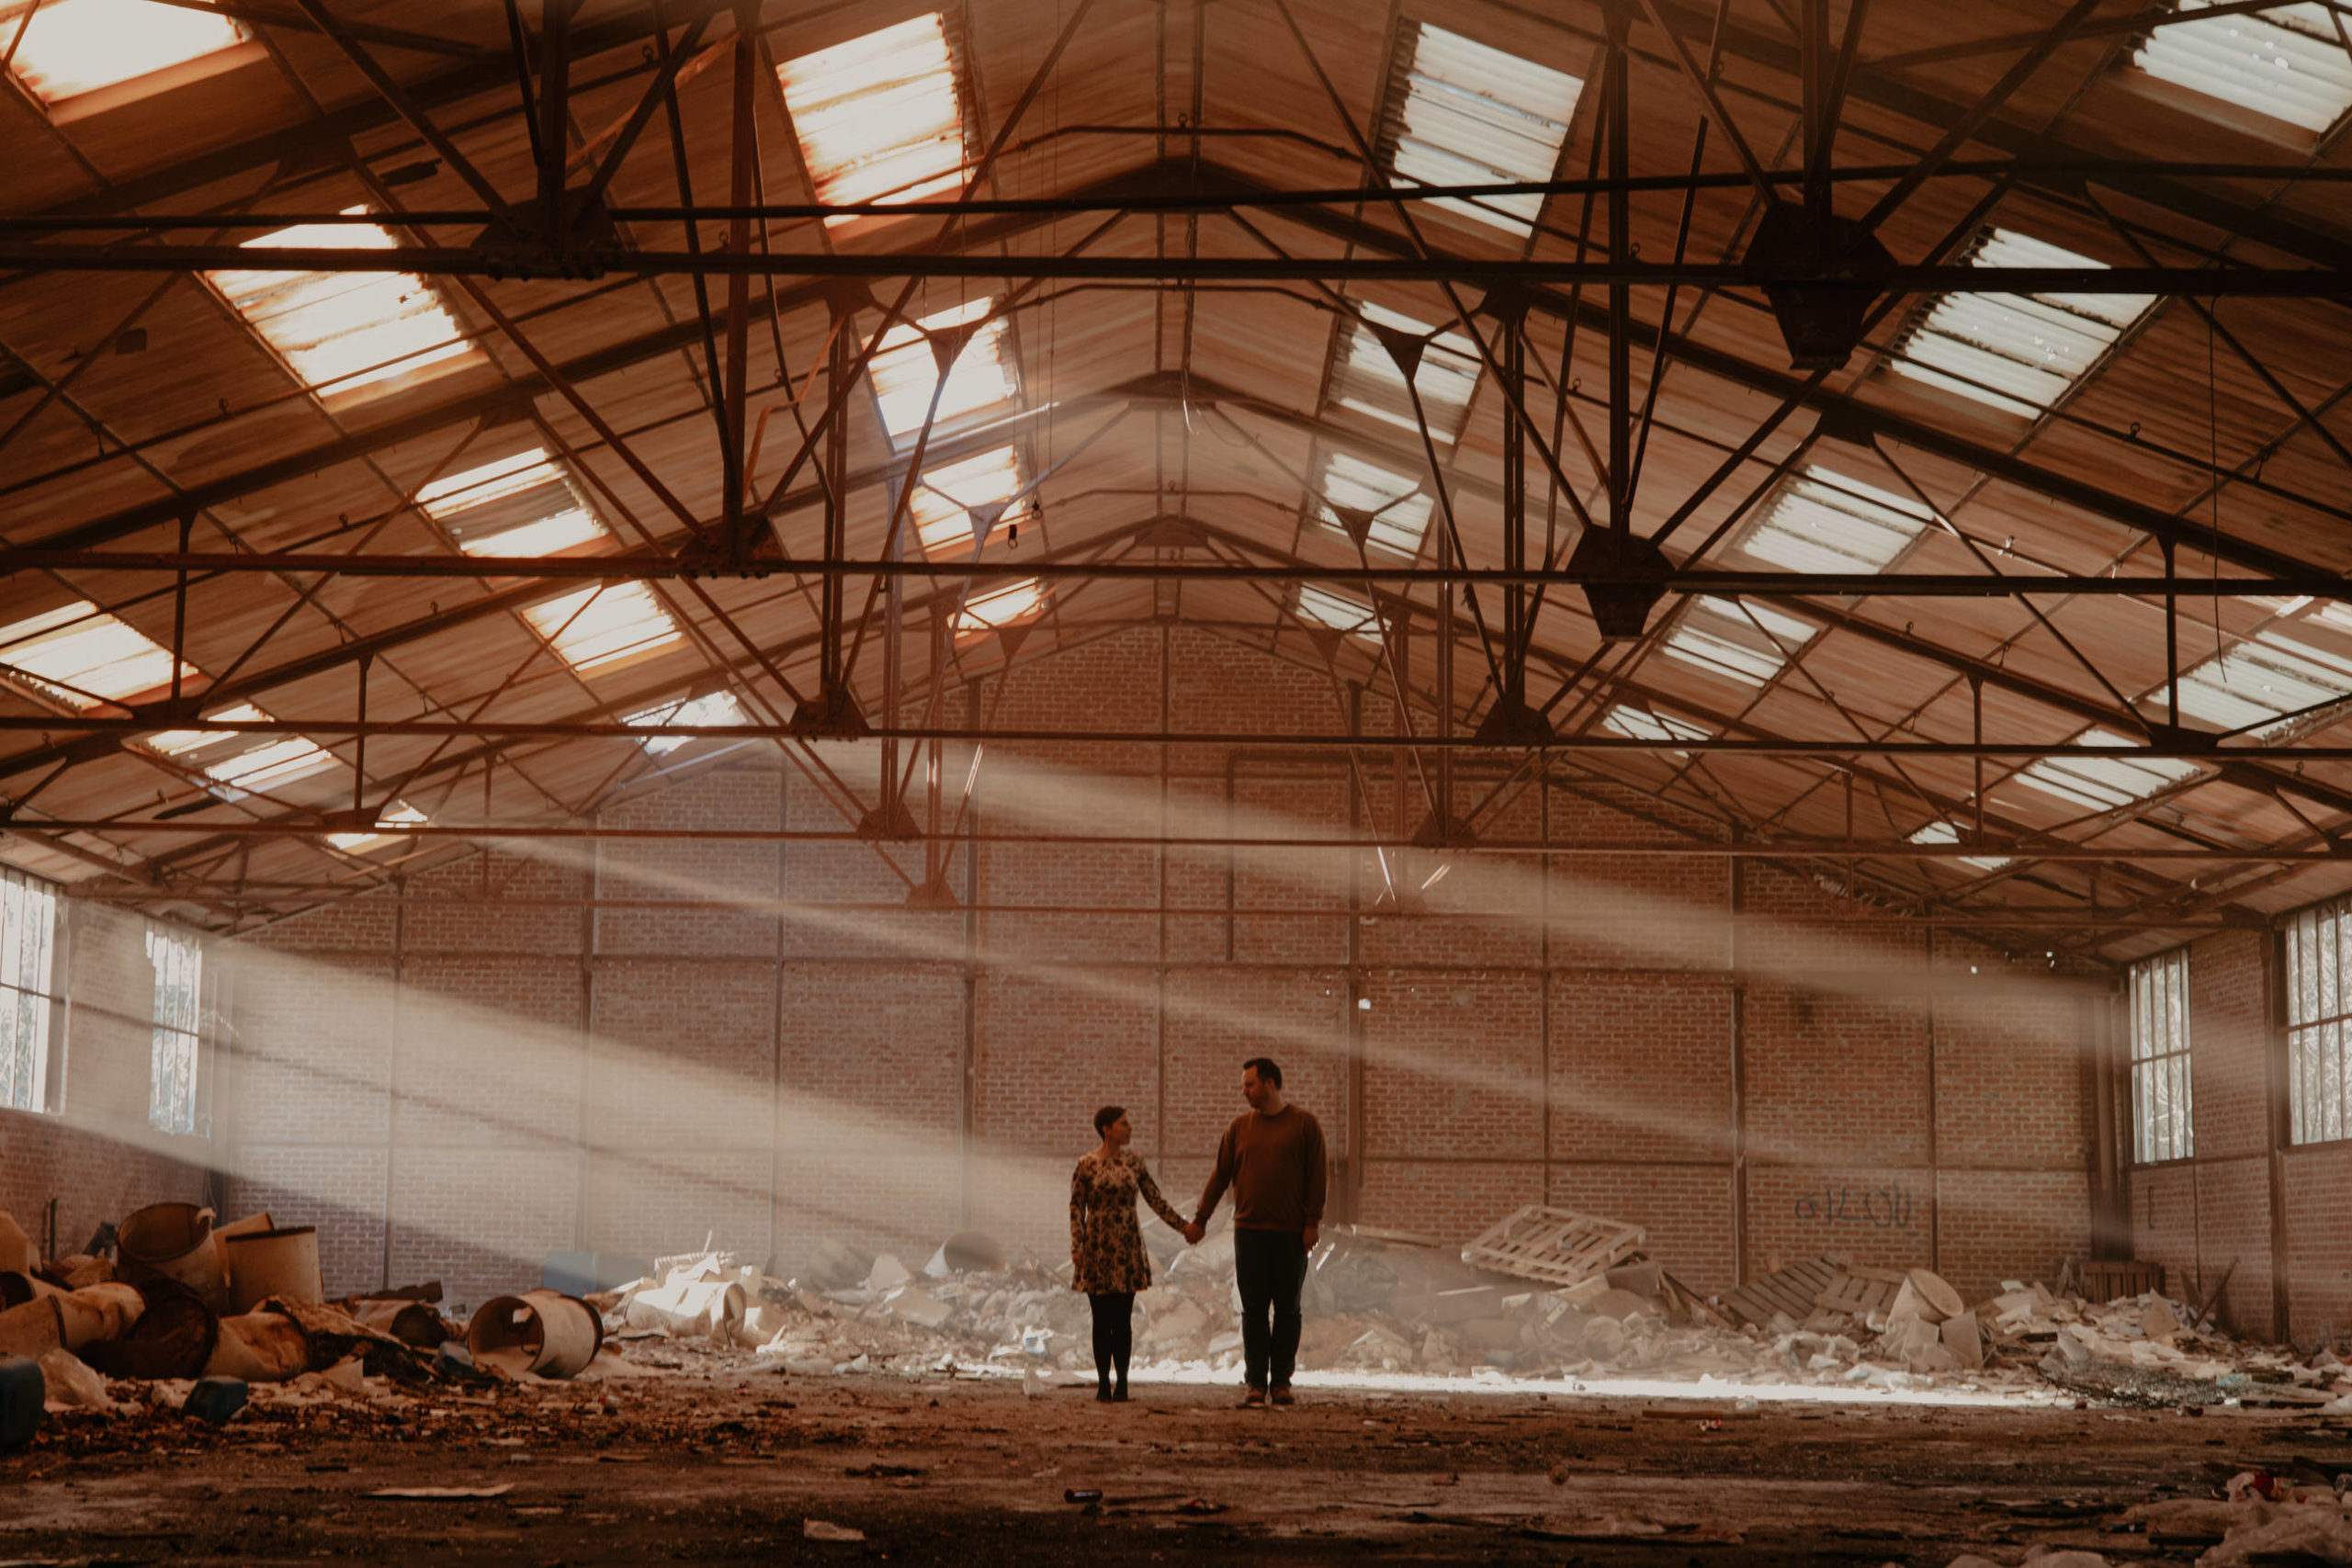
[2103, 784]
[1825, 521]
[2288, 62]
[1648, 724]
[1368, 381]
[604, 626]
[944, 498]
[2247, 687]
[904, 371]
[1337, 611]
[1720, 637]
[1465, 113]
[520, 505]
[72, 47]
[1002, 608]
[1948, 833]
[879, 118]
[2017, 351]
[400, 814]
[1399, 506]
[717, 708]
[80, 656]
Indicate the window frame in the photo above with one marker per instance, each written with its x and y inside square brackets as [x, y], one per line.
[197, 1032]
[2302, 1079]
[2162, 969]
[47, 1054]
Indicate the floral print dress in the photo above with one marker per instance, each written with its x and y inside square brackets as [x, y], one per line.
[1103, 1236]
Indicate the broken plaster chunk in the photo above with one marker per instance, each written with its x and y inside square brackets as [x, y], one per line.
[71, 1384]
[887, 1274]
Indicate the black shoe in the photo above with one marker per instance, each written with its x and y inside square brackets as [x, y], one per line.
[1119, 1394]
[1102, 1393]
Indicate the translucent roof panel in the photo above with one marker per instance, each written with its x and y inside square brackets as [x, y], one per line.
[879, 118]
[604, 628]
[522, 505]
[945, 499]
[72, 47]
[1367, 379]
[1463, 113]
[346, 334]
[2018, 353]
[272, 762]
[717, 708]
[400, 814]
[80, 656]
[1000, 606]
[1337, 611]
[1399, 506]
[2248, 686]
[904, 371]
[2103, 784]
[1719, 637]
[1948, 833]
[1824, 521]
[2288, 62]
[1647, 724]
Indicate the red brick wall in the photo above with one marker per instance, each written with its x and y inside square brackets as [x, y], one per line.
[760, 1043]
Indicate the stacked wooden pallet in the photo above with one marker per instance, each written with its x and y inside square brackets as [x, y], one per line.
[1795, 1290]
[1559, 1246]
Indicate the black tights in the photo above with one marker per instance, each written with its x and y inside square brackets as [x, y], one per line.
[1114, 1334]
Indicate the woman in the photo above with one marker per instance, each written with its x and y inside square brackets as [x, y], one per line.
[1106, 1257]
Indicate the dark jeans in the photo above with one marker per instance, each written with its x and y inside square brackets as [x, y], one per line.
[1269, 1267]
[1114, 1334]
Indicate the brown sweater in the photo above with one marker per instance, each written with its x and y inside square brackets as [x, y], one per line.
[1275, 1167]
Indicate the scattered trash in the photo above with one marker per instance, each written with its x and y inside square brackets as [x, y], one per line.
[69, 1384]
[825, 1529]
[216, 1399]
[443, 1493]
[542, 1332]
[1082, 1494]
[1199, 1505]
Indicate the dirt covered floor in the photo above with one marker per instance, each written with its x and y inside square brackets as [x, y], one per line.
[733, 1467]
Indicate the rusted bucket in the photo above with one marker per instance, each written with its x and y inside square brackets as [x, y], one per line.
[175, 1335]
[545, 1332]
[413, 1322]
[260, 1347]
[246, 1226]
[173, 1241]
[32, 1330]
[263, 1264]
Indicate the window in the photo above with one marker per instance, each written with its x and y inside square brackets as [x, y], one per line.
[2319, 1023]
[2161, 1126]
[2259, 681]
[79, 656]
[1461, 113]
[2288, 62]
[521, 505]
[604, 628]
[2018, 352]
[400, 815]
[951, 504]
[178, 960]
[27, 993]
[1740, 643]
[346, 334]
[72, 47]
[1367, 379]
[1399, 506]
[1948, 833]
[1825, 521]
[1337, 611]
[904, 371]
[718, 708]
[1000, 607]
[879, 118]
[2104, 784]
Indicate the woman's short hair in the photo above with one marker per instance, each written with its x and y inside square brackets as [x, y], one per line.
[1108, 1114]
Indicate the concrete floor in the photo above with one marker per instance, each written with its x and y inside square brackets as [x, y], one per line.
[728, 1468]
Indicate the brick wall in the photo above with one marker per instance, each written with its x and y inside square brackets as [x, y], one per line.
[759, 1043]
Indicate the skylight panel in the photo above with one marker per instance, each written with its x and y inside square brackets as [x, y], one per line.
[1399, 506]
[238, 758]
[1948, 833]
[2103, 784]
[879, 118]
[1647, 724]
[2256, 683]
[1720, 637]
[272, 762]
[2016, 352]
[604, 627]
[1337, 611]
[947, 498]
[345, 334]
[1463, 113]
[80, 656]
[1000, 607]
[402, 815]
[1368, 381]
[2288, 62]
[522, 505]
[188, 742]
[718, 707]
[72, 47]
[1825, 521]
[904, 371]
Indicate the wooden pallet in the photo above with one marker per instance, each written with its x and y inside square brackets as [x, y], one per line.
[1793, 1290]
[1555, 1245]
[1860, 1291]
[2101, 1280]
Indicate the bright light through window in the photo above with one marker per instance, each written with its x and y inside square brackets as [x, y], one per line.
[1646, 724]
[878, 117]
[2018, 352]
[1948, 833]
[905, 370]
[2104, 784]
[346, 333]
[80, 656]
[1472, 115]
[1000, 607]
[1337, 611]
[1399, 506]
[604, 628]
[401, 815]
[1825, 521]
[521, 505]
[1739, 643]
[944, 503]
[273, 762]
[1368, 381]
[2288, 62]
[718, 708]
[72, 47]
[2256, 683]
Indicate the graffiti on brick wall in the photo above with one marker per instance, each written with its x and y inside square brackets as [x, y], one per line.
[1887, 1208]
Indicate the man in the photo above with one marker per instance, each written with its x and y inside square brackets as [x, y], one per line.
[1273, 1159]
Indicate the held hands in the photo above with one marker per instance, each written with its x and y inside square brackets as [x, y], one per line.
[1308, 1235]
[1193, 1233]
